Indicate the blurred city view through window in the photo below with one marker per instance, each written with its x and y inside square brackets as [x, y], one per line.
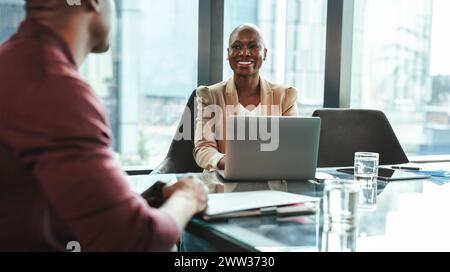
[400, 65]
[148, 75]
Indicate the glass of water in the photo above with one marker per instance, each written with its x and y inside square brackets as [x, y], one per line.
[366, 166]
[366, 172]
[368, 196]
[340, 201]
[337, 237]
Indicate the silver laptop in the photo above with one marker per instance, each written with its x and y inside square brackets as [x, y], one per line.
[271, 148]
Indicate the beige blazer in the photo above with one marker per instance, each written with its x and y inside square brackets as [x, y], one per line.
[222, 99]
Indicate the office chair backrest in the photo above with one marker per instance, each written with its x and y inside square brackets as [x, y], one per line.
[180, 159]
[346, 131]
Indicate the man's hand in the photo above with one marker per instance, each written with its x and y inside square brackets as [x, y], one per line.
[191, 188]
[185, 198]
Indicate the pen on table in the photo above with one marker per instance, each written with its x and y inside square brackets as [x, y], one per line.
[314, 181]
[406, 167]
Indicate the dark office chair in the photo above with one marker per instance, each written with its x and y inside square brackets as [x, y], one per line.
[346, 131]
[179, 159]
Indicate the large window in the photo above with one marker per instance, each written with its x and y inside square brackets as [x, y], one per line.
[148, 75]
[145, 79]
[295, 32]
[401, 66]
[11, 14]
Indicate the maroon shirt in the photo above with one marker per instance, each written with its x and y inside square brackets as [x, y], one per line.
[58, 179]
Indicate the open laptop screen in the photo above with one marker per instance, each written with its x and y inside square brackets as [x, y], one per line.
[263, 147]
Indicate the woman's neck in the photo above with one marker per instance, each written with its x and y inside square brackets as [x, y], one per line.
[248, 85]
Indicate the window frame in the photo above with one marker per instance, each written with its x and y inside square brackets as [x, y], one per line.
[338, 58]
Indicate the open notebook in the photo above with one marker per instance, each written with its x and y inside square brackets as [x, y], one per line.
[230, 205]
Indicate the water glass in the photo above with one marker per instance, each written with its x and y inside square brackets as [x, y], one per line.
[366, 166]
[340, 201]
[368, 196]
[366, 172]
[337, 237]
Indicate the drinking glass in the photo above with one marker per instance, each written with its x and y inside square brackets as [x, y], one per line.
[366, 166]
[366, 172]
[340, 201]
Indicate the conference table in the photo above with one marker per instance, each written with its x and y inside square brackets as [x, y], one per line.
[409, 215]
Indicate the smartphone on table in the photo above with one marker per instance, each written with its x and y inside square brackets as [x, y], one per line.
[388, 174]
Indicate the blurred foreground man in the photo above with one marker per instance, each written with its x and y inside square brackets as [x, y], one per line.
[58, 180]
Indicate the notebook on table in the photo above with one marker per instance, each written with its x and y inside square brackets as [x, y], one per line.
[256, 203]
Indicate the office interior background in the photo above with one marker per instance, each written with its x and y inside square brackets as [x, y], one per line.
[398, 59]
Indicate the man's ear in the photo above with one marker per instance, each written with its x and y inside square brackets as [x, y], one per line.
[93, 5]
[228, 54]
[265, 53]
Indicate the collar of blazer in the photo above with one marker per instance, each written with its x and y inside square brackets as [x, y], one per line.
[266, 95]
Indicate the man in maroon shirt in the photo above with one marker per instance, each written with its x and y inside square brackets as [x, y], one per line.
[58, 180]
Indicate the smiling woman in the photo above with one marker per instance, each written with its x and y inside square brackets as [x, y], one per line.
[246, 93]
[247, 50]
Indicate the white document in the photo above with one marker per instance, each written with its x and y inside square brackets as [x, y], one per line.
[234, 202]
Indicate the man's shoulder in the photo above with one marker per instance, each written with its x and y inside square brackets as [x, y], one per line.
[38, 59]
[45, 74]
[71, 90]
[57, 64]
